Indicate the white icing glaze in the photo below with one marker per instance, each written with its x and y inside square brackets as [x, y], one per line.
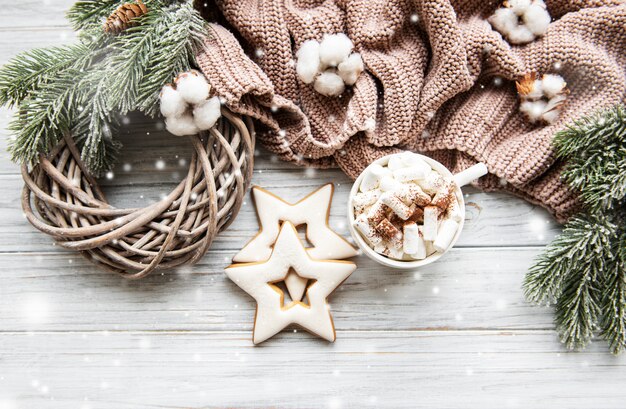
[313, 211]
[271, 316]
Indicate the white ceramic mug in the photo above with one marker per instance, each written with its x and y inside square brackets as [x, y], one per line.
[460, 179]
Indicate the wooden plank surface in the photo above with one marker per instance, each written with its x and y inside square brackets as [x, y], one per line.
[455, 334]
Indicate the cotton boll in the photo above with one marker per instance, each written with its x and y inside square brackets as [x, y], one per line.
[537, 18]
[537, 90]
[334, 49]
[181, 125]
[193, 87]
[518, 6]
[206, 114]
[550, 117]
[350, 69]
[520, 35]
[308, 64]
[504, 20]
[330, 84]
[172, 103]
[552, 84]
[533, 109]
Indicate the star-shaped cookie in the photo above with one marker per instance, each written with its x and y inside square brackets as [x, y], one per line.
[313, 210]
[259, 279]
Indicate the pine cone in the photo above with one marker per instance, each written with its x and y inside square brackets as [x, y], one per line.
[122, 17]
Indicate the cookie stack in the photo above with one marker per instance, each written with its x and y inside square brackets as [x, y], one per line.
[277, 257]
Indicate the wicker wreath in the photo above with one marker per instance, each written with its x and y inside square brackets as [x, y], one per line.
[177, 230]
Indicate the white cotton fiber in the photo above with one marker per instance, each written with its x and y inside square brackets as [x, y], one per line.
[520, 35]
[537, 18]
[350, 69]
[334, 49]
[193, 87]
[552, 84]
[533, 109]
[504, 20]
[518, 6]
[206, 114]
[181, 125]
[330, 84]
[172, 103]
[308, 64]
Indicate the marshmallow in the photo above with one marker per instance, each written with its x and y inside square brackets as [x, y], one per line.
[363, 199]
[446, 233]
[371, 179]
[418, 215]
[413, 242]
[395, 253]
[442, 199]
[376, 213]
[362, 225]
[391, 233]
[308, 64]
[410, 173]
[395, 162]
[473, 172]
[454, 210]
[412, 193]
[431, 216]
[388, 183]
[412, 159]
[432, 183]
[396, 205]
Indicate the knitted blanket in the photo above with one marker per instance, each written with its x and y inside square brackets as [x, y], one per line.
[439, 80]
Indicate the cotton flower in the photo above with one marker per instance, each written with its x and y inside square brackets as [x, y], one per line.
[206, 114]
[186, 107]
[329, 83]
[521, 21]
[350, 69]
[541, 98]
[536, 18]
[181, 125]
[172, 103]
[193, 87]
[334, 49]
[504, 20]
[552, 84]
[329, 65]
[308, 64]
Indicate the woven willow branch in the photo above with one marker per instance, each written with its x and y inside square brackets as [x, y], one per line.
[177, 230]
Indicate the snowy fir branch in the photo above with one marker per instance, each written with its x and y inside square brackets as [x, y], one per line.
[583, 271]
[82, 88]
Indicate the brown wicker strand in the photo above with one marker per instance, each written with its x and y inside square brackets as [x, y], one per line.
[62, 199]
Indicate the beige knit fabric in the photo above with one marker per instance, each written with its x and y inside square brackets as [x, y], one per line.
[438, 80]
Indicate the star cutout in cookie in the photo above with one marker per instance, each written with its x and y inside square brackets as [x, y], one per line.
[259, 279]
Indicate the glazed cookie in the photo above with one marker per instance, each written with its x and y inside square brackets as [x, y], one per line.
[313, 210]
[289, 257]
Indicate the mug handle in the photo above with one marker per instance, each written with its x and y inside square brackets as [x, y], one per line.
[470, 174]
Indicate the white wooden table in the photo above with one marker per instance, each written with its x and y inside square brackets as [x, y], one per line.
[455, 334]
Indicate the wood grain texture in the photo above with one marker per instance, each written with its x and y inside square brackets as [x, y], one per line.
[457, 334]
[414, 369]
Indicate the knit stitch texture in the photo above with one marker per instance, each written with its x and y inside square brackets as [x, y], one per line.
[439, 80]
